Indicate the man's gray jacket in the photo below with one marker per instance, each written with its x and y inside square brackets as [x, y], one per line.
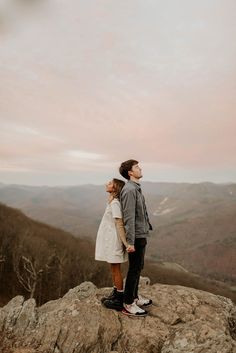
[135, 216]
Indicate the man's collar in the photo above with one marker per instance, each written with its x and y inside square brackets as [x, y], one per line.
[137, 185]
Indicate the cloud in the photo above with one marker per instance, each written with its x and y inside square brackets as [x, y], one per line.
[84, 155]
[99, 82]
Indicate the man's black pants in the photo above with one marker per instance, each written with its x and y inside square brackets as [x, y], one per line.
[136, 264]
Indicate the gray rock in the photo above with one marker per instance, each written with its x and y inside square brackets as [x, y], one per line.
[180, 320]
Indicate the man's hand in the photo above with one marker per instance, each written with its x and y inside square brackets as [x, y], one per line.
[130, 248]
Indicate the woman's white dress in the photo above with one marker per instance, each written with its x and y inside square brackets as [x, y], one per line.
[108, 243]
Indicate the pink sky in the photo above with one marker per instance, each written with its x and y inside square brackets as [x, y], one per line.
[85, 85]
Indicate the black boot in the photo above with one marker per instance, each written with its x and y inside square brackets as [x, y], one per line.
[110, 296]
[115, 302]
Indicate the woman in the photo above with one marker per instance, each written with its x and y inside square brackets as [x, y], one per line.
[111, 243]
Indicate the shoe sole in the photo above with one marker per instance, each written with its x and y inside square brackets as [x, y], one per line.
[118, 308]
[125, 312]
[145, 306]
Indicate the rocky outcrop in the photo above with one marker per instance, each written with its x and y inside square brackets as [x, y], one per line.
[180, 320]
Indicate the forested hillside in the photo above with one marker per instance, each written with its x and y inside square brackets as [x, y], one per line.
[40, 261]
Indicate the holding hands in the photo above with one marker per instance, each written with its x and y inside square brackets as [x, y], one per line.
[130, 248]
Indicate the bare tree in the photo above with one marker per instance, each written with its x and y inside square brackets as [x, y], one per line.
[2, 263]
[27, 275]
[54, 271]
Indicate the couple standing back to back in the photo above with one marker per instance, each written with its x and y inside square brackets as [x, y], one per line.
[123, 234]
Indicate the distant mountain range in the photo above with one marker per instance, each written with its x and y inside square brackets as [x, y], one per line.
[40, 261]
[194, 224]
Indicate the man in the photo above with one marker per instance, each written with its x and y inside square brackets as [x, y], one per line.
[137, 226]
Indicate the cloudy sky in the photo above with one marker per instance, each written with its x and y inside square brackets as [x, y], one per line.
[85, 85]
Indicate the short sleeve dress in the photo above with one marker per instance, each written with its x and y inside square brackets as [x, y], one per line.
[109, 246]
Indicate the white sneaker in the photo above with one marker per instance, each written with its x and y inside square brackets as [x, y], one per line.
[133, 310]
[141, 301]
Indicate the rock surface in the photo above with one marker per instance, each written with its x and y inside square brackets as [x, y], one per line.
[180, 320]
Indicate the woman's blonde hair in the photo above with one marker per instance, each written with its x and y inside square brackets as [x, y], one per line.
[118, 185]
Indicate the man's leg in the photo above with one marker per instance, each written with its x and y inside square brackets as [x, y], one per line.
[139, 300]
[141, 244]
[136, 261]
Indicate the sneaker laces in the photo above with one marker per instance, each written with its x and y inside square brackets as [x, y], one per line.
[141, 300]
[133, 308]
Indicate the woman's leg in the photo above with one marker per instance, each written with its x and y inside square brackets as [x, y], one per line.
[117, 276]
[116, 302]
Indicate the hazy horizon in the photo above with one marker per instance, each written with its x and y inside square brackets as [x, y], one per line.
[87, 85]
[102, 184]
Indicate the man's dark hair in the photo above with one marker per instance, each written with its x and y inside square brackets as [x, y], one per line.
[126, 166]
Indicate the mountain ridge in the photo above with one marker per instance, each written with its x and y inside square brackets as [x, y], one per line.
[40, 261]
[198, 220]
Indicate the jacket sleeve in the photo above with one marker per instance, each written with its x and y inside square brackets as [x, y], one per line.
[128, 205]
